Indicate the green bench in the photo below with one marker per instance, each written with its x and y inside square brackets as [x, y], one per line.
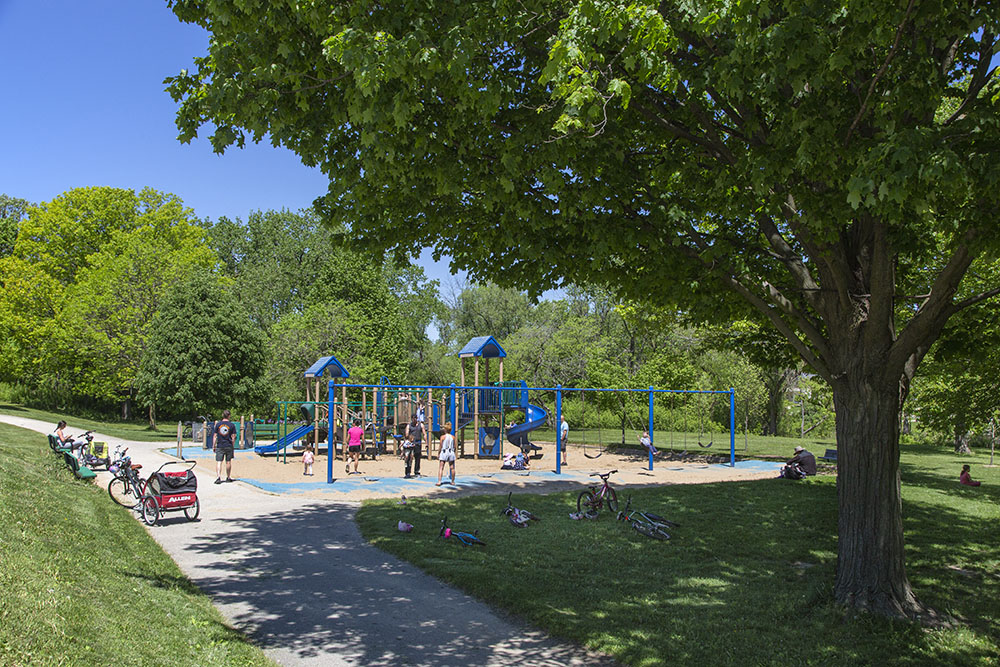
[830, 455]
[81, 471]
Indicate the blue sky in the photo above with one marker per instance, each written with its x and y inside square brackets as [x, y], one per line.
[84, 104]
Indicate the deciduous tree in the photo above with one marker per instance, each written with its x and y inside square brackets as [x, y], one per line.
[830, 164]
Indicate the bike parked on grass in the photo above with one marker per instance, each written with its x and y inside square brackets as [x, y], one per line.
[594, 499]
[517, 517]
[646, 523]
[467, 539]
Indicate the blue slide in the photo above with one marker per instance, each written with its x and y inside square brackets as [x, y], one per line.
[534, 417]
[289, 438]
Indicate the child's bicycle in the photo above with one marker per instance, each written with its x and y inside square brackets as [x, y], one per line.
[467, 539]
[650, 525]
[517, 517]
[594, 499]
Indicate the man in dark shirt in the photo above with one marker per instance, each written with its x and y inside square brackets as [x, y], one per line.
[223, 446]
[803, 460]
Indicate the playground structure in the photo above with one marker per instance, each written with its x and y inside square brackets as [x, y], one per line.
[496, 411]
[385, 409]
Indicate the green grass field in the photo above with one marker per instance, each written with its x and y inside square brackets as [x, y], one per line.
[137, 430]
[82, 583]
[746, 579]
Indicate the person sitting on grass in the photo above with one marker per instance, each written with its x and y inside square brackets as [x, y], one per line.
[966, 478]
[801, 465]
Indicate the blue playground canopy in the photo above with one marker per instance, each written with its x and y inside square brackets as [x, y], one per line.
[337, 369]
[482, 346]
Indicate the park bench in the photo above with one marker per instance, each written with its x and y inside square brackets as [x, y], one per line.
[55, 446]
[80, 470]
[830, 455]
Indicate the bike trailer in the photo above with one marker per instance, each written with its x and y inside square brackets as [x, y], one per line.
[174, 490]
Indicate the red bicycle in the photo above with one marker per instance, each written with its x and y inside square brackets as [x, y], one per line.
[593, 499]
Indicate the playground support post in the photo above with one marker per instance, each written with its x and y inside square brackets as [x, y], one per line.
[652, 442]
[559, 443]
[454, 411]
[732, 427]
[331, 394]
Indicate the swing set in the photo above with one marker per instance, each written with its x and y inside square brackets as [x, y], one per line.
[705, 440]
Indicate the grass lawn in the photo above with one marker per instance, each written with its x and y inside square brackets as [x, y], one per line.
[138, 430]
[81, 582]
[746, 579]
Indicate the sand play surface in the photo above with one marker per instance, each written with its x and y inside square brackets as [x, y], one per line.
[383, 478]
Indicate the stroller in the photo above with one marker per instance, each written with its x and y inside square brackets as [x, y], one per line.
[92, 454]
[171, 491]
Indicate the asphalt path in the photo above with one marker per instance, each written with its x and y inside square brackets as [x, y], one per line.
[296, 576]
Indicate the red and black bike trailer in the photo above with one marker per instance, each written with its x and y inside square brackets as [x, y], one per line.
[171, 491]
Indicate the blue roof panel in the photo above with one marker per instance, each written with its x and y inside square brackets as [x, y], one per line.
[482, 346]
[337, 370]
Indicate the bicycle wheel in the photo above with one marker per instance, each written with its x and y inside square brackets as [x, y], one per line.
[120, 491]
[587, 501]
[192, 512]
[650, 530]
[612, 500]
[150, 510]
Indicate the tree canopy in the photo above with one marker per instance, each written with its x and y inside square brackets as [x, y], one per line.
[831, 164]
[205, 355]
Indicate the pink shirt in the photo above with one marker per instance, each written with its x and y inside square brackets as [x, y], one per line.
[354, 435]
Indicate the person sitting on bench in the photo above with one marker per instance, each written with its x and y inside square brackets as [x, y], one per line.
[803, 464]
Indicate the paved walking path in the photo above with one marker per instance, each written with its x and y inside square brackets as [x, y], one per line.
[297, 577]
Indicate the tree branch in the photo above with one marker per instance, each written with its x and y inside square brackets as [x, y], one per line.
[878, 75]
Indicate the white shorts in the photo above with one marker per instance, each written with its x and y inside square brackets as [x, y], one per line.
[447, 456]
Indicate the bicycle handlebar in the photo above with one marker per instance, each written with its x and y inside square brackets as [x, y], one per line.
[604, 476]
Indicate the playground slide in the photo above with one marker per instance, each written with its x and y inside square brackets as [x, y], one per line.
[534, 417]
[290, 438]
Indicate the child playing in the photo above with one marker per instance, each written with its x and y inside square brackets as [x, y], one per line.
[966, 478]
[354, 436]
[308, 458]
[408, 446]
[447, 454]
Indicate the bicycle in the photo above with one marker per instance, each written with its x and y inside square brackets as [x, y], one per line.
[467, 539]
[125, 488]
[517, 517]
[594, 499]
[647, 523]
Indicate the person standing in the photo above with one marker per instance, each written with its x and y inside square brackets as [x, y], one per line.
[354, 437]
[416, 429]
[447, 454]
[222, 444]
[308, 458]
[563, 436]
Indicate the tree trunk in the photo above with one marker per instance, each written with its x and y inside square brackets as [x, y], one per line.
[871, 572]
[962, 437]
[152, 416]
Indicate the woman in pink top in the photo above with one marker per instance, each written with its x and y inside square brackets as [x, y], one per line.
[966, 478]
[354, 436]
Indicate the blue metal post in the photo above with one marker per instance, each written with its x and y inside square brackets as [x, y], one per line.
[651, 440]
[732, 427]
[559, 443]
[453, 403]
[331, 449]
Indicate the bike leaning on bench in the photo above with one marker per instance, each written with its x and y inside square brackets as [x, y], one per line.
[646, 523]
